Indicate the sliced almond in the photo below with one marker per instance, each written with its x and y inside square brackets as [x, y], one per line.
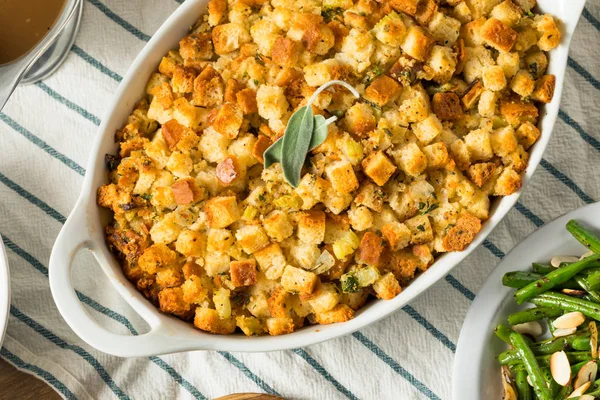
[529, 381]
[587, 373]
[558, 260]
[587, 397]
[507, 385]
[586, 255]
[569, 320]
[564, 332]
[574, 292]
[532, 328]
[594, 339]
[560, 368]
[580, 390]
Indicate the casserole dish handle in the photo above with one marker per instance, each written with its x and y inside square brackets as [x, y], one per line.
[72, 238]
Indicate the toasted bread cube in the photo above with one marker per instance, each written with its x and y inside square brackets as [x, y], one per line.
[319, 73]
[271, 261]
[219, 240]
[522, 83]
[517, 160]
[503, 141]
[444, 29]
[428, 129]
[459, 236]
[498, 35]
[508, 182]
[480, 173]
[341, 176]
[461, 154]
[526, 5]
[494, 78]
[217, 9]
[246, 101]
[471, 32]
[157, 257]
[190, 243]
[378, 167]
[311, 190]
[259, 148]
[311, 227]
[517, 113]
[470, 98]
[183, 80]
[544, 89]
[359, 119]
[370, 249]
[221, 211]
[272, 103]
[304, 255]
[297, 280]
[488, 102]
[279, 326]
[442, 61]
[390, 30]
[447, 106]
[229, 37]
[437, 155]
[196, 47]
[228, 120]
[170, 301]
[166, 67]
[278, 226]
[285, 52]
[420, 229]
[370, 196]
[243, 273]
[208, 320]
[185, 191]
[507, 12]
[341, 312]
[550, 34]
[417, 43]
[411, 159]
[414, 104]
[382, 90]
[279, 303]
[387, 287]
[481, 7]
[252, 238]
[360, 217]
[397, 235]
[318, 39]
[527, 134]
[208, 92]
[172, 131]
[249, 325]
[335, 201]
[406, 6]
[462, 12]
[169, 278]
[479, 145]
[216, 263]
[325, 298]
[509, 63]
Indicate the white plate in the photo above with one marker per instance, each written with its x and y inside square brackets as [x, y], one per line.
[4, 291]
[84, 227]
[476, 371]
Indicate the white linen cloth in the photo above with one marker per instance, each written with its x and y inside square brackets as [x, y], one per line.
[45, 135]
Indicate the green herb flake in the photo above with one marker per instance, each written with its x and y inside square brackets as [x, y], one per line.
[349, 283]
[330, 14]
[146, 196]
[259, 59]
[421, 228]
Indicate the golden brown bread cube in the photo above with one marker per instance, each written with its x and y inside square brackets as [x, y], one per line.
[196, 47]
[382, 90]
[508, 182]
[387, 287]
[516, 112]
[437, 155]
[229, 37]
[498, 35]
[460, 235]
[243, 273]
[297, 280]
[311, 227]
[480, 173]
[397, 235]
[341, 176]
[221, 211]
[417, 43]
[378, 167]
[285, 52]
[170, 301]
[228, 120]
[208, 92]
[527, 134]
[447, 106]
[173, 132]
[544, 89]
[471, 97]
[279, 326]
[208, 320]
[360, 119]
[217, 9]
[259, 148]
[406, 6]
[370, 249]
[185, 191]
[246, 101]
[340, 313]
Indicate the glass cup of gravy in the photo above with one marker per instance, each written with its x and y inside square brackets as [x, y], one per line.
[30, 29]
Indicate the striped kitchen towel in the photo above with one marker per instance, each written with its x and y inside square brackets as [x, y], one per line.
[45, 134]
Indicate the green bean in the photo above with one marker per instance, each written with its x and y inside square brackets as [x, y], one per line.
[542, 268]
[523, 388]
[552, 299]
[583, 283]
[565, 392]
[531, 365]
[581, 343]
[503, 332]
[584, 236]
[511, 357]
[593, 279]
[533, 314]
[554, 278]
[520, 279]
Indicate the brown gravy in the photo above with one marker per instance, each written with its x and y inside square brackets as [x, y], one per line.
[23, 23]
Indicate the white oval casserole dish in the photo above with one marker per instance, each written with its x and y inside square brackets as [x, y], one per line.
[84, 227]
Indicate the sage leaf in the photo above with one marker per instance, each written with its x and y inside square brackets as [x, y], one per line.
[296, 143]
[273, 154]
[319, 132]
